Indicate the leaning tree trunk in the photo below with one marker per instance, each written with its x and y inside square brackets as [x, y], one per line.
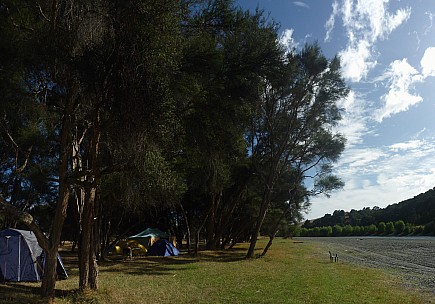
[275, 228]
[261, 215]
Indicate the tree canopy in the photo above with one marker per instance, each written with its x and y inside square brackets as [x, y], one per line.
[186, 115]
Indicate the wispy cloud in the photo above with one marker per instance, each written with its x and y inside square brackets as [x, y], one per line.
[301, 4]
[365, 23]
[329, 25]
[429, 27]
[354, 123]
[401, 78]
[381, 176]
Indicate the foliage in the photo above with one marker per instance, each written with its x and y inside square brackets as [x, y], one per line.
[418, 210]
[399, 226]
[380, 229]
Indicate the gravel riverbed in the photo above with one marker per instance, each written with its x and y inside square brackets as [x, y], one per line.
[412, 258]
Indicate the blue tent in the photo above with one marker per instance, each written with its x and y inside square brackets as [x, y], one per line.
[21, 257]
[162, 248]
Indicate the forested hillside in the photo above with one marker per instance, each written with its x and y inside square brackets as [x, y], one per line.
[419, 210]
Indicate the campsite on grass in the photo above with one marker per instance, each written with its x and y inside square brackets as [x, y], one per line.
[161, 151]
[294, 272]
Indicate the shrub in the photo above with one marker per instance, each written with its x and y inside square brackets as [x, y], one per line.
[382, 228]
[399, 226]
[337, 230]
[348, 230]
[356, 230]
[372, 229]
[324, 231]
[418, 229]
[389, 227]
[409, 229]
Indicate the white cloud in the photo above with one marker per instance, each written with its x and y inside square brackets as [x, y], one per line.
[401, 77]
[357, 61]
[286, 39]
[429, 27]
[329, 25]
[301, 4]
[353, 124]
[428, 62]
[365, 22]
[381, 176]
[409, 145]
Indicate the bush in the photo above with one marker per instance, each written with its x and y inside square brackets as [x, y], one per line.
[382, 228]
[399, 226]
[372, 229]
[418, 229]
[389, 227]
[356, 230]
[337, 230]
[409, 229]
[324, 231]
[348, 230]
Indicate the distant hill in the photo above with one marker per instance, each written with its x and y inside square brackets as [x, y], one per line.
[418, 210]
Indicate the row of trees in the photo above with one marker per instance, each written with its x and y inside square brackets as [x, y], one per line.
[418, 210]
[389, 228]
[190, 114]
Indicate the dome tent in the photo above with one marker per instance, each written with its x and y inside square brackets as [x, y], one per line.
[149, 236]
[162, 248]
[21, 257]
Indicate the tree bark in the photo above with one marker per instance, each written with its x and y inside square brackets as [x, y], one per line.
[261, 215]
[275, 228]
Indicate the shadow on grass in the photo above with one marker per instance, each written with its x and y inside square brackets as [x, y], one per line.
[224, 256]
[12, 292]
[168, 265]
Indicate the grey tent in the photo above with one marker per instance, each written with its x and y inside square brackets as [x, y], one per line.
[21, 257]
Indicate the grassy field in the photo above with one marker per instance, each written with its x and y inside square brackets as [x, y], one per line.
[292, 272]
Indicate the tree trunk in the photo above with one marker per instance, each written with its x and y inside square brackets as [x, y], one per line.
[271, 238]
[261, 215]
[49, 278]
[275, 228]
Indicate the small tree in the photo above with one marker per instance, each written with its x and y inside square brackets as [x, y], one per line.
[399, 226]
[372, 229]
[348, 230]
[382, 227]
[337, 230]
[356, 230]
[389, 227]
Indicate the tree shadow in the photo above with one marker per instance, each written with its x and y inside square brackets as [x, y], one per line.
[223, 256]
[12, 292]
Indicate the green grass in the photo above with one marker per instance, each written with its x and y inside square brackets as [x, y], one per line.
[292, 272]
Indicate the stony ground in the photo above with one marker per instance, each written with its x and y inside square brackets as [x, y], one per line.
[413, 258]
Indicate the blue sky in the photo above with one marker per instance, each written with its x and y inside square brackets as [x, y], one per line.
[387, 49]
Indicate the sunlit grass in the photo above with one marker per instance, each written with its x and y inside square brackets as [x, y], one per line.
[292, 272]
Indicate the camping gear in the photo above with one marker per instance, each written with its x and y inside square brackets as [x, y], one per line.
[124, 246]
[21, 257]
[149, 236]
[162, 248]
